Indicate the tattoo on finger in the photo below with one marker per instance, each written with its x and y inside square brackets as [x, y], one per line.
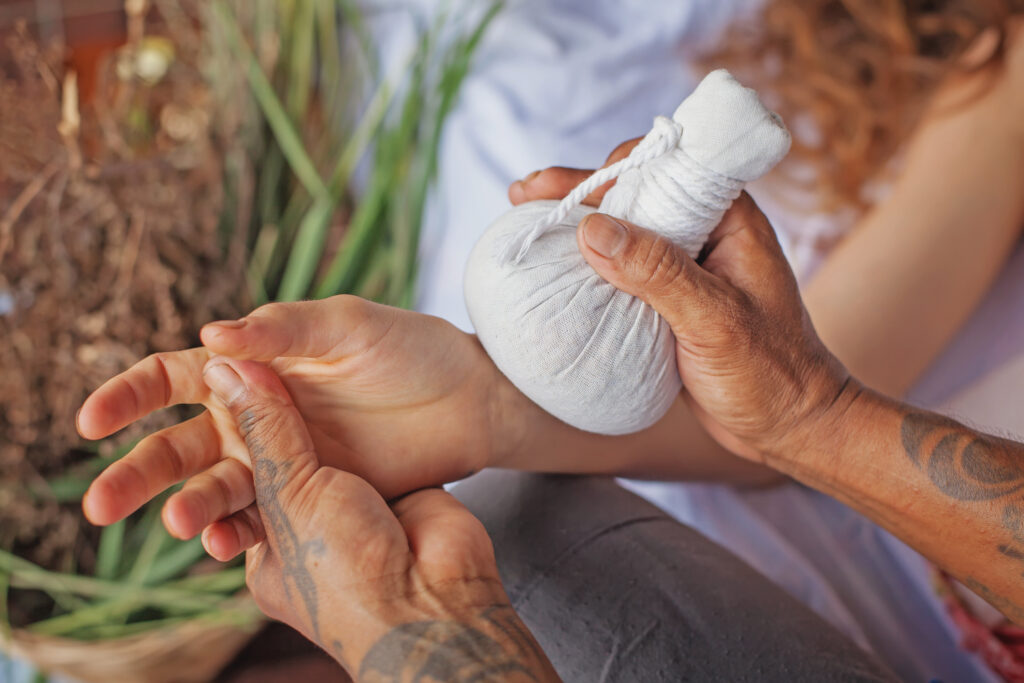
[269, 479]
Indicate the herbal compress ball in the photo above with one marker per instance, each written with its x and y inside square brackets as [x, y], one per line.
[591, 355]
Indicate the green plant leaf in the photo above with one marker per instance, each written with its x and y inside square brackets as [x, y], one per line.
[278, 119]
[108, 556]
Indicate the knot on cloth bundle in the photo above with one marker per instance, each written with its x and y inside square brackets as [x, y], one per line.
[591, 355]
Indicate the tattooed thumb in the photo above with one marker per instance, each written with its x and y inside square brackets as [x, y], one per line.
[280, 447]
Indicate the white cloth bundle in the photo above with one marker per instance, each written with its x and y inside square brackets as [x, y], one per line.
[591, 355]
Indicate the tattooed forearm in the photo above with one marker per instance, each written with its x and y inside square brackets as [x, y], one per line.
[968, 466]
[454, 651]
[268, 479]
[1006, 606]
[963, 464]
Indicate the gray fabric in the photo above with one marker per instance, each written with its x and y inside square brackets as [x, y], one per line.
[616, 590]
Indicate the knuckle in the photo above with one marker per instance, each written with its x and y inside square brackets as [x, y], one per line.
[196, 498]
[662, 268]
[334, 480]
[258, 415]
[465, 527]
[544, 176]
[368, 323]
[740, 320]
[356, 312]
[274, 309]
[260, 428]
[623, 150]
[255, 522]
[327, 484]
[172, 458]
[352, 307]
[735, 310]
[220, 491]
[252, 421]
[377, 556]
[162, 358]
[128, 469]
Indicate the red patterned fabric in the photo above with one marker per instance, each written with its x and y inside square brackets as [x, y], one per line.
[1000, 646]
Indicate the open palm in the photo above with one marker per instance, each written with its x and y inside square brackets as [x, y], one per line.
[401, 399]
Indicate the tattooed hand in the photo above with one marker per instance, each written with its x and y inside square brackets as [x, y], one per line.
[408, 591]
[754, 370]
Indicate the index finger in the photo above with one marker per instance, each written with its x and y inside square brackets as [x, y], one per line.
[157, 381]
[744, 249]
[558, 181]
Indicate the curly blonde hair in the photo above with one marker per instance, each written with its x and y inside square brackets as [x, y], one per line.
[860, 73]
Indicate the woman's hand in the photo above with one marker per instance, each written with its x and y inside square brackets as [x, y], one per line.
[754, 370]
[556, 182]
[401, 399]
[407, 592]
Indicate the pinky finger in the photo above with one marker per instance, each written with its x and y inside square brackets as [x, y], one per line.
[228, 537]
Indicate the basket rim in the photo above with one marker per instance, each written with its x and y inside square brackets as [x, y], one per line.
[210, 640]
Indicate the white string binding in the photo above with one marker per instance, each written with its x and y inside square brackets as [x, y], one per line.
[664, 137]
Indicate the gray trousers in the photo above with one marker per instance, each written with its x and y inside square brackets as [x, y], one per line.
[616, 590]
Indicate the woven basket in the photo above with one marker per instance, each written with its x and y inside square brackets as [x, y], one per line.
[189, 652]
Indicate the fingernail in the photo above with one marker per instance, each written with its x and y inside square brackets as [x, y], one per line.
[230, 324]
[604, 234]
[224, 382]
[530, 176]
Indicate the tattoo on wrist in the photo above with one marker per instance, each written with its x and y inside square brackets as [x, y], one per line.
[449, 650]
[972, 467]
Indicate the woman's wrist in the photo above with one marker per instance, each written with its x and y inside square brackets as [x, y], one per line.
[514, 421]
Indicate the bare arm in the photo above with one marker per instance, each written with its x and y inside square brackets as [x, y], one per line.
[677, 447]
[941, 237]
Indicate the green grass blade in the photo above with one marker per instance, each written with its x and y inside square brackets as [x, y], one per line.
[305, 253]
[368, 126]
[274, 112]
[308, 248]
[227, 582]
[299, 66]
[24, 574]
[5, 617]
[257, 272]
[179, 556]
[359, 240]
[108, 556]
[355, 21]
[148, 555]
[425, 166]
[154, 536]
